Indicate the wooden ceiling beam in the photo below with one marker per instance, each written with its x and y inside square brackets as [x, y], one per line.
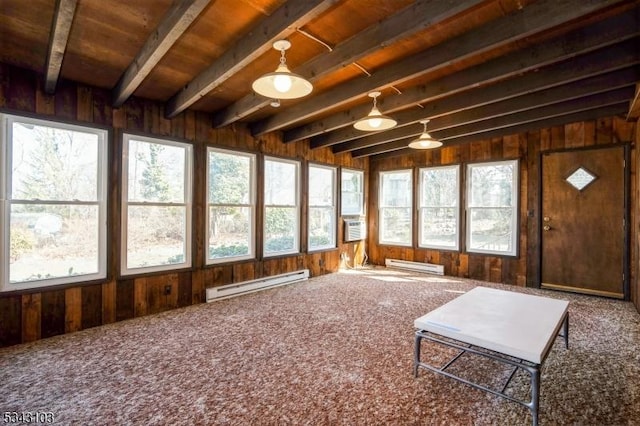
[416, 17]
[60, 29]
[443, 111]
[458, 123]
[592, 114]
[611, 97]
[326, 132]
[521, 117]
[260, 39]
[174, 24]
[537, 17]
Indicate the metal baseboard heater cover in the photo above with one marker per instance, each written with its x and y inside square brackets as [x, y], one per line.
[428, 268]
[251, 286]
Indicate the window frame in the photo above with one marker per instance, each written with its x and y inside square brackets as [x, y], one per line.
[252, 207]
[6, 200]
[382, 207]
[296, 206]
[515, 207]
[421, 206]
[124, 209]
[361, 211]
[334, 208]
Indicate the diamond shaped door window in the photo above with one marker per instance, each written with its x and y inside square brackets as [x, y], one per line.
[581, 178]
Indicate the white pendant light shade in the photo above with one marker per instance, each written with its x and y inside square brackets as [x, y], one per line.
[375, 120]
[282, 83]
[425, 141]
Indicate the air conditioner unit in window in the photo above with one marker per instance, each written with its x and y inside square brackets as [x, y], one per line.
[354, 230]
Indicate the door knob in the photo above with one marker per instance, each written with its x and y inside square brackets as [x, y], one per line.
[546, 218]
[546, 228]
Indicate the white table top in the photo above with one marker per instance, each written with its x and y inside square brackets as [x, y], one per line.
[515, 324]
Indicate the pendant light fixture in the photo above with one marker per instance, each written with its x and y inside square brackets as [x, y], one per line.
[282, 83]
[425, 141]
[375, 120]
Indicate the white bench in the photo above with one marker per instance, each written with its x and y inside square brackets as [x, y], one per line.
[513, 328]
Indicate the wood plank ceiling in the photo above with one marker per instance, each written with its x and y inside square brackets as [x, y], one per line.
[477, 68]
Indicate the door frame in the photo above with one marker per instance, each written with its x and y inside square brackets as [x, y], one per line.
[626, 270]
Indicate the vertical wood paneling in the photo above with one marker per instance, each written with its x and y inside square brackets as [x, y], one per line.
[66, 105]
[184, 289]
[53, 313]
[102, 113]
[91, 306]
[633, 225]
[5, 71]
[140, 297]
[124, 300]
[109, 302]
[45, 103]
[10, 319]
[19, 92]
[31, 317]
[73, 309]
[197, 286]
[85, 104]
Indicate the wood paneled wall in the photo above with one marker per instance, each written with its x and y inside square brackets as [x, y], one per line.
[31, 315]
[635, 223]
[521, 270]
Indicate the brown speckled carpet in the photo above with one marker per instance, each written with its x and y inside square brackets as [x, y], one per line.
[335, 350]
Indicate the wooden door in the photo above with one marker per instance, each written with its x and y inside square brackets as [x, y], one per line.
[583, 221]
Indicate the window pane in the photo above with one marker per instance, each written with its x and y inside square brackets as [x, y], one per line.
[491, 185]
[491, 229]
[439, 227]
[53, 163]
[321, 186]
[156, 236]
[280, 183]
[280, 230]
[53, 241]
[396, 189]
[230, 232]
[351, 204]
[352, 192]
[395, 226]
[321, 228]
[229, 178]
[439, 195]
[491, 207]
[395, 208]
[156, 172]
[439, 187]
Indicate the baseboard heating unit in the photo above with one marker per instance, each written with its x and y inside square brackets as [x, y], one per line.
[428, 268]
[244, 287]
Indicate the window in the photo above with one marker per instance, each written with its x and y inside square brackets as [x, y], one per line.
[352, 192]
[231, 204]
[322, 207]
[395, 208]
[156, 205]
[53, 192]
[281, 207]
[492, 194]
[439, 207]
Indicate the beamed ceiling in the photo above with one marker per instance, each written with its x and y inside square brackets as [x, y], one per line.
[476, 69]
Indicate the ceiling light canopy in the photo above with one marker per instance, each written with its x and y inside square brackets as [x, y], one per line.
[282, 83]
[375, 120]
[425, 141]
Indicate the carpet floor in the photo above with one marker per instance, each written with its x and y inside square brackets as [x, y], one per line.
[333, 350]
